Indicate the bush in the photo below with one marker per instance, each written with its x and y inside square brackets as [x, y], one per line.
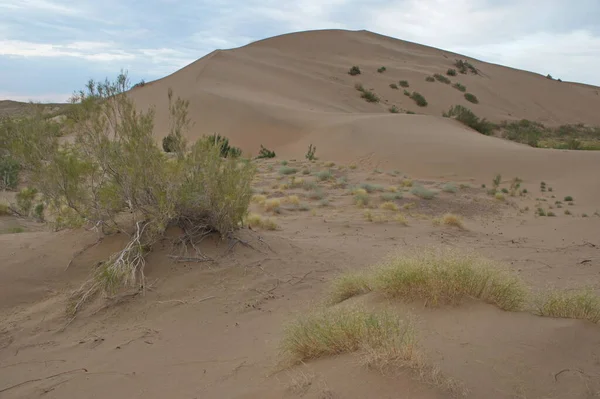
[441, 78]
[223, 144]
[354, 71]
[524, 131]
[430, 79]
[451, 72]
[403, 83]
[394, 86]
[393, 109]
[310, 153]
[324, 175]
[423, 193]
[459, 87]
[569, 304]
[286, 170]
[467, 117]
[407, 93]
[25, 199]
[265, 153]
[568, 198]
[464, 67]
[381, 69]
[471, 98]
[9, 172]
[370, 96]
[419, 99]
[450, 219]
[449, 188]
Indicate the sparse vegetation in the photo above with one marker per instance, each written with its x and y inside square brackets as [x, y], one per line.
[568, 198]
[272, 205]
[394, 86]
[423, 192]
[569, 304]
[499, 197]
[451, 72]
[361, 197]
[464, 67]
[389, 206]
[450, 219]
[393, 109]
[392, 196]
[441, 78]
[381, 69]
[265, 153]
[286, 170]
[403, 83]
[449, 188]
[9, 172]
[369, 96]
[371, 187]
[324, 175]
[310, 153]
[407, 93]
[459, 87]
[467, 117]
[430, 79]
[355, 70]
[257, 221]
[419, 99]
[471, 98]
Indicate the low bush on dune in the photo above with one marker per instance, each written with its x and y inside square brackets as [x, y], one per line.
[430, 79]
[114, 167]
[451, 72]
[394, 110]
[471, 98]
[423, 192]
[467, 117]
[9, 172]
[354, 71]
[419, 99]
[286, 170]
[403, 83]
[459, 87]
[441, 78]
[569, 304]
[394, 86]
[381, 69]
[265, 153]
[369, 96]
[465, 66]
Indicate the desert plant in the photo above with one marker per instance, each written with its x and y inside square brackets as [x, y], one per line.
[359, 87]
[450, 219]
[451, 72]
[25, 199]
[393, 109]
[515, 184]
[4, 208]
[568, 198]
[499, 197]
[581, 304]
[419, 99]
[361, 197]
[371, 187]
[441, 78]
[391, 196]
[459, 87]
[423, 192]
[430, 79]
[369, 96]
[354, 71]
[524, 131]
[9, 172]
[403, 83]
[381, 69]
[464, 67]
[257, 221]
[310, 154]
[389, 206]
[265, 153]
[471, 98]
[348, 285]
[394, 86]
[286, 170]
[324, 175]
[449, 188]
[467, 117]
[541, 212]
[306, 171]
[407, 93]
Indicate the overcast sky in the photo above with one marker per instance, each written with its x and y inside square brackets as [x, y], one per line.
[49, 48]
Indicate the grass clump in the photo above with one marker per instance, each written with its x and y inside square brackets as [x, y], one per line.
[499, 197]
[441, 78]
[450, 219]
[568, 198]
[265, 153]
[369, 96]
[394, 86]
[465, 66]
[391, 196]
[440, 276]
[407, 93]
[423, 192]
[430, 79]
[451, 72]
[389, 206]
[347, 330]
[381, 69]
[361, 197]
[403, 83]
[257, 221]
[449, 188]
[418, 99]
[272, 205]
[324, 175]
[4, 209]
[286, 170]
[370, 188]
[355, 70]
[569, 304]
[471, 98]
[407, 183]
[459, 87]
[393, 109]
[467, 117]
[348, 285]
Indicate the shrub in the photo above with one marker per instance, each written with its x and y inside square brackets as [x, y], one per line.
[4, 208]
[370, 96]
[306, 171]
[393, 109]
[449, 188]
[423, 193]
[568, 198]
[524, 131]
[430, 79]
[257, 221]
[419, 99]
[272, 204]
[394, 86]
[499, 197]
[401, 219]
[391, 196]
[541, 212]
[359, 87]
[407, 183]
[310, 154]
[551, 214]
[354, 71]
[448, 276]
[286, 170]
[324, 175]
[450, 219]
[170, 143]
[25, 199]
[371, 187]
[407, 93]
[471, 98]
[467, 117]
[459, 87]
[348, 285]
[389, 206]
[223, 144]
[265, 153]
[361, 197]
[381, 69]
[9, 172]
[441, 78]
[316, 194]
[464, 67]
[569, 304]
[403, 83]
[451, 72]
[567, 212]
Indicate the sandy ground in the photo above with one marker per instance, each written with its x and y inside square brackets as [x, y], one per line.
[212, 329]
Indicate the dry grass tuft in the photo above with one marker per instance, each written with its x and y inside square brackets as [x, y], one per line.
[389, 206]
[392, 189]
[293, 199]
[401, 219]
[272, 204]
[450, 219]
[348, 285]
[259, 199]
[499, 197]
[257, 221]
[407, 183]
[448, 276]
[569, 304]
[361, 197]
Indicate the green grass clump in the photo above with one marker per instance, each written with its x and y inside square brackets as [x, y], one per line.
[361, 197]
[354, 71]
[423, 192]
[381, 69]
[449, 188]
[4, 209]
[324, 175]
[394, 86]
[467, 117]
[286, 170]
[391, 196]
[451, 72]
[441, 78]
[369, 96]
[430, 79]
[407, 93]
[394, 110]
[348, 285]
[568, 198]
[569, 304]
[447, 276]
[342, 330]
[459, 87]
[465, 66]
[369, 188]
[419, 99]
[471, 98]
[317, 194]
[403, 83]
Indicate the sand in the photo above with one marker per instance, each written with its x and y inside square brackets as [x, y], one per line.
[212, 329]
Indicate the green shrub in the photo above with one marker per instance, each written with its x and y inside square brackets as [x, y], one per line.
[582, 304]
[391, 196]
[370, 96]
[467, 117]
[524, 131]
[423, 192]
[369, 188]
[381, 69]
[471, 98]
[286, 170]
[430, 79]
[451, 72]
[568, 198]
[359, 87]
[223, 144]
[354, 71]
[170, 143]
[449, 188]
[25, 199]
[265, 153]
[403, 83]
[324, 175]
[419, 99]
[441, 78]
[464, 67]
[407, 93]
[393, 109]
[310, 153]
[459, 87]
[9, 173]
[394, 86]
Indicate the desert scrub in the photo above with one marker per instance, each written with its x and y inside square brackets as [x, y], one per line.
[393, 109]
[317, 194]
[451, 72]
[265, 153]
[459, 87]
[423, 192]
[370, 188]
[471, 98]
[392, 196]
[407, 183]
[257, 221]
[286, 170]
[430, 79]
[272, 205]
[447, 276]
[407, 93]
[418, 99]
[450, 219]
[569, 304]
[348, 285]
[361, 197]
[401, 219]
[324, 175]
[449, 188]
[4, 208]
[369, 96]
[389, 206]
[355, 70]
[441, 78]
[381, 69]
[467, 117]
[306, 171]
[346, 330]
[499, 197]
[568, 198]
[394, 86]
[403, 83]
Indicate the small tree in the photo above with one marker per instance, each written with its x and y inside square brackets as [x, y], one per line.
[310, 154]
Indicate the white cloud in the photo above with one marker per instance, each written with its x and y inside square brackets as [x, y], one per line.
[43, 98]
[91, 51]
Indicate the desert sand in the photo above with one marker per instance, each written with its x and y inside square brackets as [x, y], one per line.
[212, 329]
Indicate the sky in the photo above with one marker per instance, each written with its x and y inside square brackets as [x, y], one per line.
[50, 48]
